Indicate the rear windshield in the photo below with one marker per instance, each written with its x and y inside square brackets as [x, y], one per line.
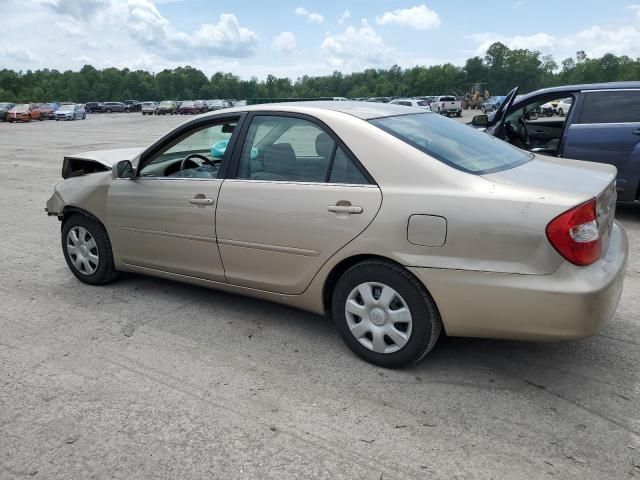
[447, 99]
[453, 143]
[423, 103]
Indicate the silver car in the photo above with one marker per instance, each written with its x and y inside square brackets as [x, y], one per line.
[398, 223]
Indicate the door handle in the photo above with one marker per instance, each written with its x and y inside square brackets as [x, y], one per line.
[344, 209]
[201, 201]
[636, 131]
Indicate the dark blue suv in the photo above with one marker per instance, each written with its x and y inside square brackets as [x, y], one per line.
[602, 124]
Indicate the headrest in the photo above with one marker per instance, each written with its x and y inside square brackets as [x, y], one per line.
[324, 145]
[278, 158]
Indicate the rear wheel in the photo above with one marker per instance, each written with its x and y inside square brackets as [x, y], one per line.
[108, 110]
[384, 314]
[560, 112]
[87, 250]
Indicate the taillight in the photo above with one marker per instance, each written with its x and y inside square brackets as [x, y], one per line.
[575, 234]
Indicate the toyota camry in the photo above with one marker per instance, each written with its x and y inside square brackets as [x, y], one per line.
[398, 223]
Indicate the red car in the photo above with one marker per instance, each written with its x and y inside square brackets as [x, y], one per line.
[25, 112]
[47, 110]
[189, 108]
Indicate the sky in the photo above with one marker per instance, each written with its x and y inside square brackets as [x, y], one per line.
[304, 37]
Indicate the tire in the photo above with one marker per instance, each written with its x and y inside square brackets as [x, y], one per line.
[108, 110]
[560, 112]
[84, 116]
[95, 273]
[74, 117]
[415, 338]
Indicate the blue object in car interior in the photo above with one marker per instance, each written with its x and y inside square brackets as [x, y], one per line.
[218, 149]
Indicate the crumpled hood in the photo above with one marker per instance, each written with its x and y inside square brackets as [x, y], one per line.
[97, 160]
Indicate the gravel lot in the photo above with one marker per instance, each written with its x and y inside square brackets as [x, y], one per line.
[147, 378]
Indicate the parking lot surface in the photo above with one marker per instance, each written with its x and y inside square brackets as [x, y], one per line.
[147, 378]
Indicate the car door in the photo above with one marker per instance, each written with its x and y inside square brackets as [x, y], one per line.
[606, 129]
[295, 197]
[164, 218]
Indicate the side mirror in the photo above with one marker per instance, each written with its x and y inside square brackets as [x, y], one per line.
[480, 121]
[123, 169]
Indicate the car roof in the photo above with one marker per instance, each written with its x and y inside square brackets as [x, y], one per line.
[363, 110]
[587, 86]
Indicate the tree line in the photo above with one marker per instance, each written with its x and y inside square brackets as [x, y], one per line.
[498, 71]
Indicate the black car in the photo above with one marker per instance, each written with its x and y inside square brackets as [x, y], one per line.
[4, 109]
[600, 123]
[133, 105]
[93, 107]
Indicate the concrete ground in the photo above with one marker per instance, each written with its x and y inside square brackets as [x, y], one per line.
[147, 378]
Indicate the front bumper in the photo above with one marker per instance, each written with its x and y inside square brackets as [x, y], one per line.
[573, 302]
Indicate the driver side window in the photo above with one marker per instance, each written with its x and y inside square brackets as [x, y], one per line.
[196, 155]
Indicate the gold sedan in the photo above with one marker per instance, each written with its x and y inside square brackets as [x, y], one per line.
[398, 223]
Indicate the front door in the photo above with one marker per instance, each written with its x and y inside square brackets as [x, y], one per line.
[298, 197]
[164, 218]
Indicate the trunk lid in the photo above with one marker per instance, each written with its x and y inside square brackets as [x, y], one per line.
[587, 179]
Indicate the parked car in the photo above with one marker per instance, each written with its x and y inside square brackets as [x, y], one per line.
[410, 102]
[93, 107]
[4, 110]
[149, 108]
[200, 106]
[48, 110]
[459, 232]
[491, 104]
[213, 105]
[188, 108]
[603, 125]
[563, 107]
[167, 107]
[132, 105]
[447, 105]
[109, 107]
[70, 112]
[24, 112]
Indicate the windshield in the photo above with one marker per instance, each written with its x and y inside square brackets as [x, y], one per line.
[22, 107]
[187, 104]
[66, 108]
[166, 104]
[453, 143]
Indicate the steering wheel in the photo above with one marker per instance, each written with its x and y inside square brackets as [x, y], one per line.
[522, 132]
[184, 164]
[517, 135]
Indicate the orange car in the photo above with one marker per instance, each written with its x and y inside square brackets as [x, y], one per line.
[25, 112]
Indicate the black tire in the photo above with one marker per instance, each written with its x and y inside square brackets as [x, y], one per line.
[560, 112]
[106, 270]
[108, 110]
[426, 322]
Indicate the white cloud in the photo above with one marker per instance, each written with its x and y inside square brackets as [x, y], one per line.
[595, 41]
[19, 55]
[357, 48]
[346, 15]
[419, 18]
[225, 38]
[284, 42]
[312, 17]
[635, 8]
[77, 9]
[518, 4]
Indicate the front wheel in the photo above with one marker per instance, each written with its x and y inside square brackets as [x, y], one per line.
[384, 314]
[560, 112]
[108, 110]
[87, 250]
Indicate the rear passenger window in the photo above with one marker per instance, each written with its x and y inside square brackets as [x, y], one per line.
[611, 107]
[345, 171]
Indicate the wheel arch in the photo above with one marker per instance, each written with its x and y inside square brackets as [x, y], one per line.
[69, 210]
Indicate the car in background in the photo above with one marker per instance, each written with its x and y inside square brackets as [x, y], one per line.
[602, 125]
[216, 104]
[492, 104]
[109, 107]
[188, 107]
[24, 112]
[70, 112]
[340, 99]
[93, 107]
[167, 107]
[564, 106]
[301, 204]
[200, 105]
[4, 110]
[48, 110]
[447, 105]
[411, 102]
[132, 105]
[149, 108]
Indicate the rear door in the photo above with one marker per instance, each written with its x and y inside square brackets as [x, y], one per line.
[295, 196]
[606, 129]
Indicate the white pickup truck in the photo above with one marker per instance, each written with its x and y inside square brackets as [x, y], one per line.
[447, 105]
